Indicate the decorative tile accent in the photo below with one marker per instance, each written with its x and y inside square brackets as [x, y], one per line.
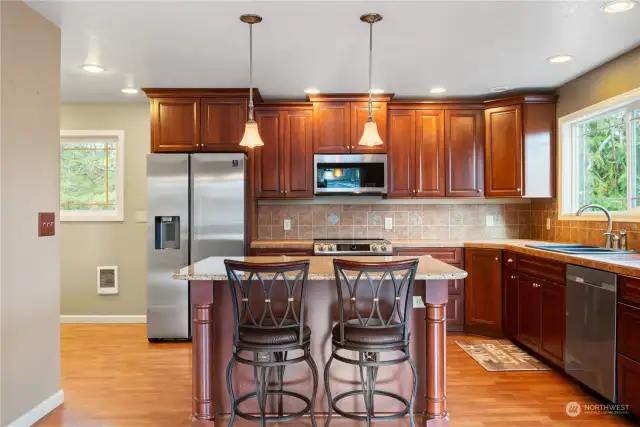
[415, 218]
[333, 219]
[375, 218]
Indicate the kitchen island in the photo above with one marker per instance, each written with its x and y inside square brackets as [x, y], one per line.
[213, 332]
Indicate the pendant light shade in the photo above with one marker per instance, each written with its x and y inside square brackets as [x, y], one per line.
[251, 137]
[370, 135]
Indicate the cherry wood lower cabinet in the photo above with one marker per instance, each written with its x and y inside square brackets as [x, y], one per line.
[483, 292]
[511, 290]
[283, 167]
[455, 303]
[541, 311]
[629, 383]
[629, 342]
[281, 251]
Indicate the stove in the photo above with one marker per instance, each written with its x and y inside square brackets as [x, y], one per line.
[352, 247]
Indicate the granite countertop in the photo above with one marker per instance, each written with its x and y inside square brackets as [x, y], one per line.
[321, 267]
[627, 264]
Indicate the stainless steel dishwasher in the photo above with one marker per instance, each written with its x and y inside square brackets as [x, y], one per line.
[590, 355]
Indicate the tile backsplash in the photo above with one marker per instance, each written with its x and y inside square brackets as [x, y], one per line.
[410, 221]
[571, 231]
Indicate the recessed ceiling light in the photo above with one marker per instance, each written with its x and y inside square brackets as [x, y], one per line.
[92, 68]
[438, 89]
[377, 91]
[617, 6]
[499, 89]
[558, 59]
[129, 90]
[311, 91]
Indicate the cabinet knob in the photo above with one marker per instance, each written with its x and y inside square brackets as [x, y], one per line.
[281, 191]
[513, 277]
[517, 189]
[286, 191]
[509, 260]
[496, 258]
[479, 190]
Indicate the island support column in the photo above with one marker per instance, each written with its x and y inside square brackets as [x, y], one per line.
[203, 414]
[435, 414]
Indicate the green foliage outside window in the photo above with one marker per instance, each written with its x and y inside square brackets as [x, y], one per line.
[88, 177]
[602, 168]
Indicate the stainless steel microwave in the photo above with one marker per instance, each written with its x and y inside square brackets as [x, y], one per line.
[350, 174]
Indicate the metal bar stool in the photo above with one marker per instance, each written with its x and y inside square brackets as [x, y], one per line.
[383, 328]
[268, 306]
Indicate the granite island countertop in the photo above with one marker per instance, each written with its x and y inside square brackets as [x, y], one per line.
[627, 264]
[321, 267]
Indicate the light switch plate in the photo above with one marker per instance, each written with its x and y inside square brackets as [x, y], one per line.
[287, 224]
[388, 223]
[548, 223]
[489, 220]
[417, 302]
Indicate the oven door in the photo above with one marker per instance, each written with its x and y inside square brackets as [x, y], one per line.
[350, 174]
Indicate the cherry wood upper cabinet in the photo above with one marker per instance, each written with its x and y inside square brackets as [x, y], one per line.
[464, 146]
[331, 127]
[298, 154]
[175, 124]
[359, 115]
[400, 167]
[520, 146]
[283, 167]
[503, 156]
[429, 153]
[223, 123]
[268, 166]
[483, 292]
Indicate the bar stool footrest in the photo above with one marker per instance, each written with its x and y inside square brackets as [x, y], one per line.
[376, 418]
[275, 418]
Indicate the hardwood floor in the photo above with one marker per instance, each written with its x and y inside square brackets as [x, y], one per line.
[112, 377]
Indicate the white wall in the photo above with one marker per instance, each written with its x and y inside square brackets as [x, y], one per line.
[84, 246]
[29, 265]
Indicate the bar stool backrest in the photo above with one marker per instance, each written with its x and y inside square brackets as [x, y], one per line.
[268, 296]
[390, 291]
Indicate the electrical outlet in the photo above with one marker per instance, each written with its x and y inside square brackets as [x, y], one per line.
[46, 224]
[417, 302]
[489, 221]
[388, 223]
[287, 224]
[548, 223]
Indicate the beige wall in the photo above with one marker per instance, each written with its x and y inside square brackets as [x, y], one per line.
[613, 78]
[84, 246]
[29, 266]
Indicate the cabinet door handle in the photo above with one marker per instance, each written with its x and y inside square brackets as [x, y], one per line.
[509, 260]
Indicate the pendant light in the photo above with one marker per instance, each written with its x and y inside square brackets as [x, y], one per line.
[251, 137]
[370, 136]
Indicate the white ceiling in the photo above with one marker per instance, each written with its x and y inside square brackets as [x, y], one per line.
[465, 46]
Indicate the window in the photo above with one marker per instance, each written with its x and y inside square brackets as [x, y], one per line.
[599, 148]
[91, 175]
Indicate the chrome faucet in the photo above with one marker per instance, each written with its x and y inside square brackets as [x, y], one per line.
[612, 241]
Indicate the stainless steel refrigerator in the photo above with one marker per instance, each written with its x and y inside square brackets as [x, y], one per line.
[195, 209]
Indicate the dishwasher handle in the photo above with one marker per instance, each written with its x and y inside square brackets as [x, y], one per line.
[605, 286]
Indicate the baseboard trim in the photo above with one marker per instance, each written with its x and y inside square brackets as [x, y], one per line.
[39, 411]
[133, 318]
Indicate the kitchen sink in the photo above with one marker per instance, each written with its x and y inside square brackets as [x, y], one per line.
[577, 249]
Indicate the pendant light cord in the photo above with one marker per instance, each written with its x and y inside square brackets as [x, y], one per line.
[250, 72]
[370, 62]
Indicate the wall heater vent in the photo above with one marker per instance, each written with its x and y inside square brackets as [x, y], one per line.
[107, 280]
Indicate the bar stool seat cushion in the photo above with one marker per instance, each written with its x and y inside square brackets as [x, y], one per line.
[375, 336]
[279, 336]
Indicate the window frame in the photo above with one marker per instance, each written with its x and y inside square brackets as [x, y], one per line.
[628, 101]
[98, 216]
